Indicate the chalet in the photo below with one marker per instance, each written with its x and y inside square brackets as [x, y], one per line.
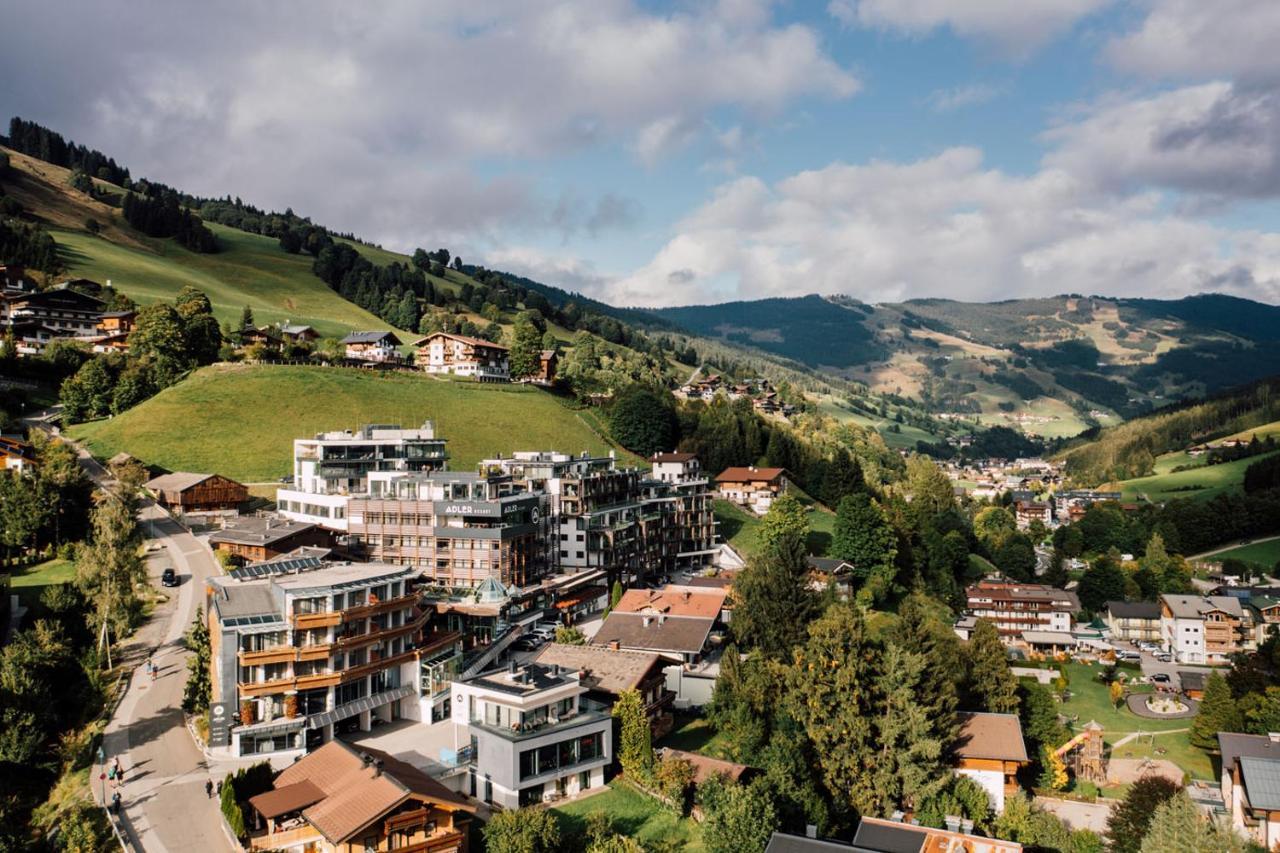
[1251, 785]
[374, 347]
[1134, 621]
[1204, 629]
[13, 277]
[1014, 607]
[606, 673]
[297, 334]
[30, 337]
[338, 799]
[989, 749]
[16, 455]
[752, 487]
[445, 352]
[267, 336]
[1027, 511]
[184, 492]
[261, 538]
[675, 622]
[117, 322]
[116, 342]
[68, 312]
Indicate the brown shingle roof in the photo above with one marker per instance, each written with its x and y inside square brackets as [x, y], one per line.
[475, 342]
[290, 798]
[608, 670]
[673, 457]
[683, 634]
[985, 735]
[356, 794]
[749, 475]
[674, 600]
[177, 481]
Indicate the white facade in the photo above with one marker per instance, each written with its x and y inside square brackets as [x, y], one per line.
[449, 354]
[992, 781]
[1184, 638]
[329, 511]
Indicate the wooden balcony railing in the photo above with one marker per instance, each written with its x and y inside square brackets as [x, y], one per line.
[353, 613]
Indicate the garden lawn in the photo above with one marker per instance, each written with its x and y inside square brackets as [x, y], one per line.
[695, 734]
[635, 815]
[741, 528]
[29, 583]
[240, 420]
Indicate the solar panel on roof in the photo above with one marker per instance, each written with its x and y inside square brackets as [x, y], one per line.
[278, 567]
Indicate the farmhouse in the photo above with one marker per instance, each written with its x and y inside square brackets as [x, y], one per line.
[297, 333]
[184, 492]
[444, 352]
[373, 347]
[752, 487]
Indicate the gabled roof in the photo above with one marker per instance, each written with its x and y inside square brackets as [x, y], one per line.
[749, 474]
[672, 634]
[1134, 609]
[673, 457]
[1261, 778]
[475, 342]
[177, 481]
[355, 792]
[829, 565]
[1196, 606]
[987, 735]
[1233, 746]
[371, 338]
[704, 766]
[253, 530]
[674, 600]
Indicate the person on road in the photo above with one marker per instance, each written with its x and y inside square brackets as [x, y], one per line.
[208, 788]
[115, 803]
[111, 775]
[118, 770]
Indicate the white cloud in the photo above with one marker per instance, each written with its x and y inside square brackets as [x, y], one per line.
[945, 226]
[1215, 140]
[960, 97]
[1203, 38]
[379, 120]
[1016, 26]
[564, 271]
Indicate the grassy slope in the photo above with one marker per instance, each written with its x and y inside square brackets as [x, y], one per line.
[241, 421]
[250, 270]
[635, 815]
[1266, 554]
[741, 528]
[1210, 479]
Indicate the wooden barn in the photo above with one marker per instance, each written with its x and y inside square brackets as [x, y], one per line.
[185, 492]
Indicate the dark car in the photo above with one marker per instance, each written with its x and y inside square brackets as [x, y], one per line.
[169, 577]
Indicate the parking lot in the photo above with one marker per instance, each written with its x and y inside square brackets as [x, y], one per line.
[1154, 666]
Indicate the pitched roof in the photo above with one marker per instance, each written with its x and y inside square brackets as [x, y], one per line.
[356, 793]
[370, 338]
[1261, 778]
[749, 474]
[683, 634]
[289, 798]
[1234, 746]
[785, 842]
[608, 670]
[704, 766]
[828, 565]
[1195, 606]
[673, 600]
[987, 735]
[1134, 609]
[475, 342]
[876, 835]
[177, 481]
[673, 457]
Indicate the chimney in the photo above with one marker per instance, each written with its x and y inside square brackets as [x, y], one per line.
[366, 758]
[952, 822]
[555, 669]
[897, 816]
[687, 595]
[646, 621]
[966, 826]
[615, 645]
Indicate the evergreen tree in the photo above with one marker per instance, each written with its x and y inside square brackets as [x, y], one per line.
[1217, 713]
[909, 766]
[246, 318]
[992, 686]
[1128, 823]
[741, 819]
[1177, 824]
[773, 601]
[196, 693]
[635, 748]
[643, 420]
[843, 477]
[864, 537]
[921, 628]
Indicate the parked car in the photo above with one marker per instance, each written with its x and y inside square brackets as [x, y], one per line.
[1160, 678]
[1131, 656]
[169, 577]
[1164, 657]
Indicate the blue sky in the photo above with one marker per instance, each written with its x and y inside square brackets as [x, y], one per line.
[669, 153]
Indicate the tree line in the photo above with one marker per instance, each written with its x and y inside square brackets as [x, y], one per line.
[160, 214]
[35, 140]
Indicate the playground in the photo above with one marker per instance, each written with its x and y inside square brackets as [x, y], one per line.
[1135, 740]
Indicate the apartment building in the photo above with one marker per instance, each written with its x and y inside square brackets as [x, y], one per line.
[303, 649]
[535, 736]
[444, 352]
[333, 465]
[458, 528]
[1205, 629]
[1134, 621]
[1015, 607]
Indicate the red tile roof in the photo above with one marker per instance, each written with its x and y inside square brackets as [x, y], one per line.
[749, 475]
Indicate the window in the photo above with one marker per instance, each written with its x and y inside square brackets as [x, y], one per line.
[371, 844]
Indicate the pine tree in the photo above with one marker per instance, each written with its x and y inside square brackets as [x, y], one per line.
[635, 747]
[864, 537]
[921, 628]
[908, 767]
[773, 601]
[992, 686]
[1178, 825]
[1129, 821]
[1218, 713]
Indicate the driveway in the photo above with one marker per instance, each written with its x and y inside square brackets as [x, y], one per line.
[1092, 816]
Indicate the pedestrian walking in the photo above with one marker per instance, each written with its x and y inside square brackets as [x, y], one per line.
[219, 789]
[154, 670]
[208, 788]
[115, 765]
[115, 803]
[111, 775]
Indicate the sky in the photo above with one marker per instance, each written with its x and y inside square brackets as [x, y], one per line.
[675, 153]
